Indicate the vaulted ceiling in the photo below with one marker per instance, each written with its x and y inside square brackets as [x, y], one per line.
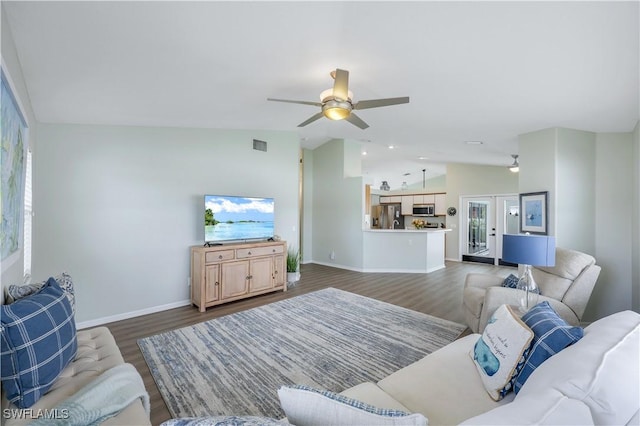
[475, 71]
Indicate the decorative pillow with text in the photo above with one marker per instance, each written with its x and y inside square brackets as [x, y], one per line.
[500, 353]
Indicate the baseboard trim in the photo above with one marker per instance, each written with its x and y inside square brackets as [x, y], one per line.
[132, 314]
[336, 265]
[381, 270]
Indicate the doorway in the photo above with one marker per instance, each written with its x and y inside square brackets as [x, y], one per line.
[485, 220]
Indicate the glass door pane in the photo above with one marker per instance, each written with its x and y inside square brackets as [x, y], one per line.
[479, 233]
[477, 227]
[507, 220]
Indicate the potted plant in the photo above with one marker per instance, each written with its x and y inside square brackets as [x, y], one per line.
[293, 263]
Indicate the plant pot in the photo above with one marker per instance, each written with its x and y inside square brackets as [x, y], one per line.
[293, 277]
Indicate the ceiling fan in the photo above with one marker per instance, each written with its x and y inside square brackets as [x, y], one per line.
[337, 104]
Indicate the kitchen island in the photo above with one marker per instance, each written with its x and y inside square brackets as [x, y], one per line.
[403, 250]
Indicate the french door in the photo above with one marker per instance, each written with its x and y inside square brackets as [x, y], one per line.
[485, 220]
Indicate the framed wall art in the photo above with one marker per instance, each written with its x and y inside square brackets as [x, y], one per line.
[534, 212]
[12, 176]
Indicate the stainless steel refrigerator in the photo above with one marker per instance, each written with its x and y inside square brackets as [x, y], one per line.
[390, 217]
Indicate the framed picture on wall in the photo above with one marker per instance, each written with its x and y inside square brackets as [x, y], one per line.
[533, 212]
[12, 168]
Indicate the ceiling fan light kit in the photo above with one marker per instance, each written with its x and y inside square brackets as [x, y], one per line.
[336, 103]
[515, 167]
[336, 110]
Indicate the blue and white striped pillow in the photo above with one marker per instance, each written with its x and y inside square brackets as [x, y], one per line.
[306, 406]
[551, 334]
[38, 341]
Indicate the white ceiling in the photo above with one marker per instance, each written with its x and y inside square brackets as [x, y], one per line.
[485, 71]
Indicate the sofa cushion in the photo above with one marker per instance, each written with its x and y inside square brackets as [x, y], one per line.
[38, 341]
[551, 334]
[601, 370]
[305, 406]
[547, 408]
[500, 352]
[435, 385]
[569, 263]
[371, 394]
[473, 300]
[97, 353]
[554, 281]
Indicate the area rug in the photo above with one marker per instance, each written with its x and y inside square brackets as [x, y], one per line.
[329, 339]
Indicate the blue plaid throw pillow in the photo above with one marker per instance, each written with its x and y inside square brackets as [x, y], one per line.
[512, 282]
[551, 334]
[38, 341]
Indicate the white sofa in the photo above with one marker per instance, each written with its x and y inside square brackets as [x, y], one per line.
[594, 381]
[97, 353]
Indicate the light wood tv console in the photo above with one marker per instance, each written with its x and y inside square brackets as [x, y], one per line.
[229, 272]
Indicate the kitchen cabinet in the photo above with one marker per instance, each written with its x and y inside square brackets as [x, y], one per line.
[406, 205]
[388, 199]
[440, 204]
[221, 274]
[429, 199]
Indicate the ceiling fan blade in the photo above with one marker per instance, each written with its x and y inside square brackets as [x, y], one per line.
[356, 121]
[311, 119]
[295, 102]
[375, 103]
[341, 85]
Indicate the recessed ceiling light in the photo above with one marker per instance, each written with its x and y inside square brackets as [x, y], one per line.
[474, 142]
[364, 152]
[423, 158]
[391, 146]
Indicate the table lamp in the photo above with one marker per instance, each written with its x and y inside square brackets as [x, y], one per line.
[528, 250]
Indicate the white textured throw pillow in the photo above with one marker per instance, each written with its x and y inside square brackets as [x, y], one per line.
[500, 353]
[305, 406]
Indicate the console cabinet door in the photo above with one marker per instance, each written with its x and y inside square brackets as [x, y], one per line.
[212, 283]
[235, 279]
[279, 271]
[260, 274]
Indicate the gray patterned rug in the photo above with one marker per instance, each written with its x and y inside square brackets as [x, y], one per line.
[330, 339]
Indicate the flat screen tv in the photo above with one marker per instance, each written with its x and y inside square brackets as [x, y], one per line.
[229, 218]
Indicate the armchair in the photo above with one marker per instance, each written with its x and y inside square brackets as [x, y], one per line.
[567, 287]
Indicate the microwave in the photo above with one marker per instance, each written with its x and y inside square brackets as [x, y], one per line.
[424, 210]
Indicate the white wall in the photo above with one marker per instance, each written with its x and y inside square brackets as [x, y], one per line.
[338, 205]
[613, 241]
[12, 269]
[635, 221]
[307, 206]
[119, 207]
[589, 177]
[575, 192]
[468, 179]
[537, 160]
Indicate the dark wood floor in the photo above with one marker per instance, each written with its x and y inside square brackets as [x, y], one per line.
[438, 293]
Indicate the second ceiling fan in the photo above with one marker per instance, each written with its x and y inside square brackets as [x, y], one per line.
[337, 104]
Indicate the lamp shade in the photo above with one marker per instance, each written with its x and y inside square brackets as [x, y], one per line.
[535, 250]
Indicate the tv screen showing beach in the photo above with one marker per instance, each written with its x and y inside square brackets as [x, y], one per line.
[237, 218]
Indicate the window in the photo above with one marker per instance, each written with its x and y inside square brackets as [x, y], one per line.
[28, 215]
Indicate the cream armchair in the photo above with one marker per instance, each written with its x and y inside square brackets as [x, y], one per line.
[566, 286]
